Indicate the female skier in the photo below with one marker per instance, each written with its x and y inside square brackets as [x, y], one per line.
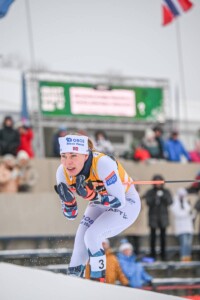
[113, 205]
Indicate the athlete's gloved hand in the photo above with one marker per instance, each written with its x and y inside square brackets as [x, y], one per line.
[69, 204]
[70, 212]
[109, 201]
[85, 189]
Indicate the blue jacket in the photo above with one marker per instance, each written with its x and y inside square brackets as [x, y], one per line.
[134, 271]
[174, 149]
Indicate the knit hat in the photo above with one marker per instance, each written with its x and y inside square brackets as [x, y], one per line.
[181, 192]
[106, 241]
[125, 246]
[74, 144]
[22, 155]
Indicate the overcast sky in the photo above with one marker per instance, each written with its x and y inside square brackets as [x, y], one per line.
[123, 37]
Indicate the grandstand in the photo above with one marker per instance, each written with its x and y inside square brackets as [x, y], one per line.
[120, 130]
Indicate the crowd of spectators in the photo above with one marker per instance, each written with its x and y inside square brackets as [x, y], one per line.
[162, 203]
[154, 146]
[17, 173]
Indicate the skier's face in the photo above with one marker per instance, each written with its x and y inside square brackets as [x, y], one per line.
[73, 162]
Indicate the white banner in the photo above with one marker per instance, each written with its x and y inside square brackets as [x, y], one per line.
[88, 101]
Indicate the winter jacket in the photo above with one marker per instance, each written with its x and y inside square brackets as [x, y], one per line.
[195, 156]
[182, 216]
[158, 201]
[8, 179]
[174, 149]
[113, 270]
[9, 141]
[25, 142]
[134, 271]
[27, 177]
[104, 146]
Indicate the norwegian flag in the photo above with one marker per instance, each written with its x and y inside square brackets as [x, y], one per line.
[174, 8]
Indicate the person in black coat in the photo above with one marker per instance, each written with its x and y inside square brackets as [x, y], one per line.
[9, 137]
[158, 199]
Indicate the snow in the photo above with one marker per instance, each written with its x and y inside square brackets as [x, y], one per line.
[23, 283]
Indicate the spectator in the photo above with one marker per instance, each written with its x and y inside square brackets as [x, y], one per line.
[9, 137]
[133, 269]
[113, 269]
[158, 136]
[195, 154]
[194, 188]
[141, 154]
[150, 143]
[8, 174]
[26, 137]
[102, 144]
[174, 148]
[62, 131]
[158, 198]
[183, 218]
[27, 174]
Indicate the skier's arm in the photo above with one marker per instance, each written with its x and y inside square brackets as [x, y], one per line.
[108, 172]
[68, 201]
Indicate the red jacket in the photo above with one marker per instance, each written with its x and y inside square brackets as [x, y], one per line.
[26, 138]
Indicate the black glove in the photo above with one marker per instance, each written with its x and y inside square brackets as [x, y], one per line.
[109, 201]
[85, 189]
[69, 204]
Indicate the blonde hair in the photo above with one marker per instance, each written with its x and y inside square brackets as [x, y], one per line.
[90, 142]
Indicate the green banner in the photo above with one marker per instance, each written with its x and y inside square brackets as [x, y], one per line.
[87, 100]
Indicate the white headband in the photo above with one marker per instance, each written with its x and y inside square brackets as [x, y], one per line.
[74, 144]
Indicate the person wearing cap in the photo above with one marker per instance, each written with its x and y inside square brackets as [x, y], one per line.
[114, 272]
[113, 205]
[183, 217]
[133, 269]
[158, 199]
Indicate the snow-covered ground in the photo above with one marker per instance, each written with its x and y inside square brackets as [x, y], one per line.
[23, 283]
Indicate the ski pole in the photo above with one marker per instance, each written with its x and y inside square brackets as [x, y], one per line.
[143, 182]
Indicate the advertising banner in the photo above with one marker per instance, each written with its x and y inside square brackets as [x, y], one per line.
[87, 100]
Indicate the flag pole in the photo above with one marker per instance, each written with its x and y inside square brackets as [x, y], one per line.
[34, 82]
[181, 65]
